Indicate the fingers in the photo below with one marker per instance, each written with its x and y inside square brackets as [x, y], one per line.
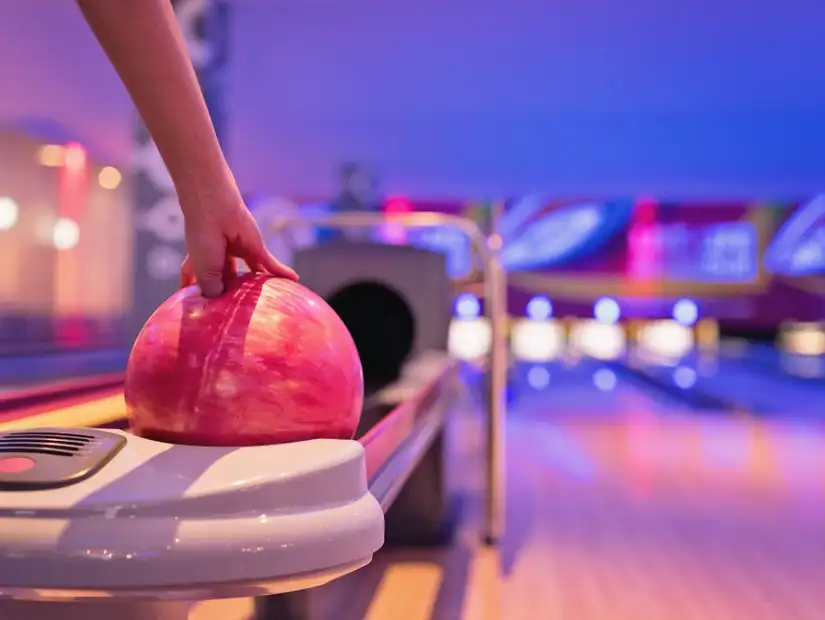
[210, 262]
[261, 260]
[276, 267]
[212, 259]
[251, 248]
[187, 272]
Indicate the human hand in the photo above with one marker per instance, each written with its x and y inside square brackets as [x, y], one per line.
[217, 233]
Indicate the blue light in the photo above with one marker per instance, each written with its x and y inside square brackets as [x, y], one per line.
[538, 377]
[685, 312]
[604, 379]
[684, 377]
[606, 310]
[539, 309]
[467, 306]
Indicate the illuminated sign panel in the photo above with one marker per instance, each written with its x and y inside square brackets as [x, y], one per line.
[536, 240]
[726, 252]
[450, 241]
[799, 247]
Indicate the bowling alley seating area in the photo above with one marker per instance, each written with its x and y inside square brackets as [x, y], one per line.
[557, 350]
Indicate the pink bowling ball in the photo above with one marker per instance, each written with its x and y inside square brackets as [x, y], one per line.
[268, 362]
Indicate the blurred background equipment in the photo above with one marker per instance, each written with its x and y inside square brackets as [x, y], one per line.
[357, 191]
[65, 247]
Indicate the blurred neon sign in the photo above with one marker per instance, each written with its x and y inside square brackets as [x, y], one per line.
[726, 252]
[799, 247]
[532, 239]
[568, 233]
[450, 241]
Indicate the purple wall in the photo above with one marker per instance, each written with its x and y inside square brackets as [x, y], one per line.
[454, 98]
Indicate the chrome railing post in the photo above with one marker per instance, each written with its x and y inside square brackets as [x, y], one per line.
[495, 304]
[495, 298]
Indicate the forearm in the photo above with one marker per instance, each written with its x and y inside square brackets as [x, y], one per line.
[144, 43]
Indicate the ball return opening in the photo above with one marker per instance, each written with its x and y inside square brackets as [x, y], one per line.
[382, 326]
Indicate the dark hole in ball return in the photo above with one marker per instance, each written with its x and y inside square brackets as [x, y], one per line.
[382, 326]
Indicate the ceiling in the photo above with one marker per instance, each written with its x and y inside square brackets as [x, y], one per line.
[459, 97]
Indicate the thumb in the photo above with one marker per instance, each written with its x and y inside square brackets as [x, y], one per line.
[209, 262]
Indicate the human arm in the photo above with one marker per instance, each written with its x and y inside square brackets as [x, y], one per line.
[146, 47]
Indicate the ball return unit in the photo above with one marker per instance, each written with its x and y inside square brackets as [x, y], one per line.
[98, 524]
[101, 525]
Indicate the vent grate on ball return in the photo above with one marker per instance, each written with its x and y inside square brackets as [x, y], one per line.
[47, 458]
[55, 443]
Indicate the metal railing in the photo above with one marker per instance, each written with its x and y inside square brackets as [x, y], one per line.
[495, 304]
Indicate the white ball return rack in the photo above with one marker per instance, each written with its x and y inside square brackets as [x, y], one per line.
[99, 524]
[107, 517]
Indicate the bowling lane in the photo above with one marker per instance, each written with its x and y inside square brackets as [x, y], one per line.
[730, 376]
[798, 366]
[674, 516]
[600, 357]
[586, 386]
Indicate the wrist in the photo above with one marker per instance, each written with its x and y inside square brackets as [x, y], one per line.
[204, 190]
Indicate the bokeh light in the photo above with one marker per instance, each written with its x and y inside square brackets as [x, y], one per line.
[685, 312]
[684, 377]
[604, 380]
[539, 308]
[65, 234]
[9, 213]
[109, 178]
[607, 311]
[538, 377]
[50, 155]
[467, 306]
[74, 156]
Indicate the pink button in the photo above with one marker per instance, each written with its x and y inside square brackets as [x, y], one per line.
[15, 464]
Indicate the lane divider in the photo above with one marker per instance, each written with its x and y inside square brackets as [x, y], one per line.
[46, 395]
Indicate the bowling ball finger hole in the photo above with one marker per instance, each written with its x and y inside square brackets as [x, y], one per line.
[382, 326]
